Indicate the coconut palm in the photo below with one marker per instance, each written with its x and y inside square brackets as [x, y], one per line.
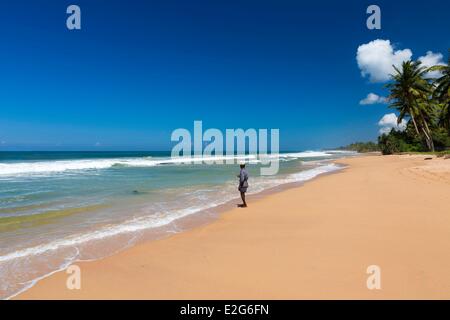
[442, 92]
[410, 94]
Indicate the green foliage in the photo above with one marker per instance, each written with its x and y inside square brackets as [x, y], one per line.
[425, 103]
[408, 141]
[409, 95]
[441, 91]
[362, 147]
[441, 138]
[397, 141]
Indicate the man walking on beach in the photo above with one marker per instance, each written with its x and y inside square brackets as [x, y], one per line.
[243, 184]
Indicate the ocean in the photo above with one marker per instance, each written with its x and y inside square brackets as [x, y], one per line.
[61, 207]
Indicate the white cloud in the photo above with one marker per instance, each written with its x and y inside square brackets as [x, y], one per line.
[389, 121]
[375, 59]
[372, 98]
[432, 59]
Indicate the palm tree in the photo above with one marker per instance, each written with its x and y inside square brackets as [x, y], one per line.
[442, 92]
[410, 94]
[441, 114]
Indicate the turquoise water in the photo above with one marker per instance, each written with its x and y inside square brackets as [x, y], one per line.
[58, 207]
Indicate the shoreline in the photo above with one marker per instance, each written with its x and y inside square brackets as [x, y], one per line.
[183, 224]
[164, 280]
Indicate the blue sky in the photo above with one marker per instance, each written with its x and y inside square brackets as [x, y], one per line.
[137, 70]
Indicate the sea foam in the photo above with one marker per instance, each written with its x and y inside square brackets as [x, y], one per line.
[58, 166]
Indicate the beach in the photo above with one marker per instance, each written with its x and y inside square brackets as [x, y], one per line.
[60, 207]
[313, 241]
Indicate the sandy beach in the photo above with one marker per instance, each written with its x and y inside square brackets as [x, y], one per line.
[310, 242]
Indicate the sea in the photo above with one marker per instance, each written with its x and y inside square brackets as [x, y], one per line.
[57, 208]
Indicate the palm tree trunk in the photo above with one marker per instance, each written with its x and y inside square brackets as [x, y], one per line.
[428, 135]
[428, 140]
[415, 124]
